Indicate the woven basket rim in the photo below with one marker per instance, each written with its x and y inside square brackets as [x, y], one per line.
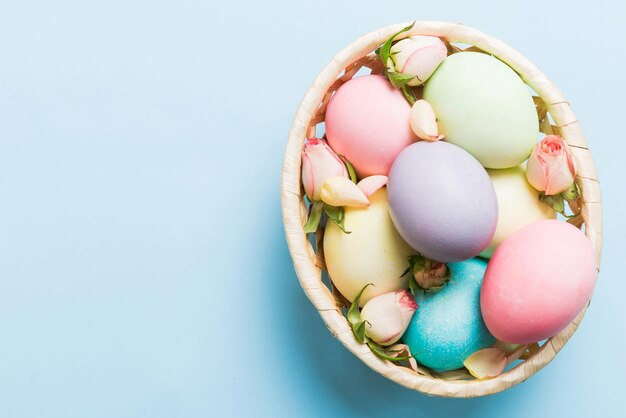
[294, 215]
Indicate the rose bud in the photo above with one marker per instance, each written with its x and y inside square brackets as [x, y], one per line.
[387, 316]
[319, 163]
[550, 167]
[424, 122]
[417, 55]
[432, 276]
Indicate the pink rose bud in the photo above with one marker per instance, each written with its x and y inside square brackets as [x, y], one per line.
[550, 167]
[319, 163]
[388, 316]
[431, 277]
[417, 55]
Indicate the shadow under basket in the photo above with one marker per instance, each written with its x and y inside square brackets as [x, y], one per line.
[555, 117]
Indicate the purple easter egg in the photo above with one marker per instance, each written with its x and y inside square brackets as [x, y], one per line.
[442, 201]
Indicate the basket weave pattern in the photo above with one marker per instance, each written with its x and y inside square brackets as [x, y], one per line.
[555, 116]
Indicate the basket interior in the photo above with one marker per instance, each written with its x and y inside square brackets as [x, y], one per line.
[370, 64]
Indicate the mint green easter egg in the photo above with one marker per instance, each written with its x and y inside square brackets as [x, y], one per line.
[484, 107]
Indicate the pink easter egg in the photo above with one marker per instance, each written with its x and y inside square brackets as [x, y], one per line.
[537, 282]
[367, 121]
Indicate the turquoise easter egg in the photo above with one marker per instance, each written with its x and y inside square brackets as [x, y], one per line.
[448, 326]
[484, 107]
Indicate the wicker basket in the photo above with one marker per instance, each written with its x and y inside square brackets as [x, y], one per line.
[555, 116]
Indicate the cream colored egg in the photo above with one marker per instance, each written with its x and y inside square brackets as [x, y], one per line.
[373, 252]
[518, 205]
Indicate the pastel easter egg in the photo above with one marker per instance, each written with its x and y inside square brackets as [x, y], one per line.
[537, 282]
[518, 205]
[483, 106]
[367, 121]
[442, 201]
[373, 251]
[447, 327]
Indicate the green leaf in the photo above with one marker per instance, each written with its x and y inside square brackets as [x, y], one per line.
[354, 316]
[382, 352]
[314, 217]
[350, 167]
[359, 331]
[399, 80]
[384, 52]
[336, 214]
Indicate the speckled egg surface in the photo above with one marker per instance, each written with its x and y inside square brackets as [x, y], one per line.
[442, 201]
[537, 282]
[367, 121]
[373, 251]
[483, 106]
[447, 326]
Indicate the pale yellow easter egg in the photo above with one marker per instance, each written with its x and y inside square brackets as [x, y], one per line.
[518, 205]
[373, 252]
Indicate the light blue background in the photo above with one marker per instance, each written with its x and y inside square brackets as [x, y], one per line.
[143, 266]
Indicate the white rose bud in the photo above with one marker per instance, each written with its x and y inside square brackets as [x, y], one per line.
[388, 316]
[418, 55]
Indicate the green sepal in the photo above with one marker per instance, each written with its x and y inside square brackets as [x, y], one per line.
[336, 214]
[358, 330]
[409, 95]
[354, 316]
[314, 217]
[350, 168]
[405, 272]
[556, 202]
[382, 352]
[384, 52]
[414, 288]
[414, 260]
[571, 193]
[399, 80]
